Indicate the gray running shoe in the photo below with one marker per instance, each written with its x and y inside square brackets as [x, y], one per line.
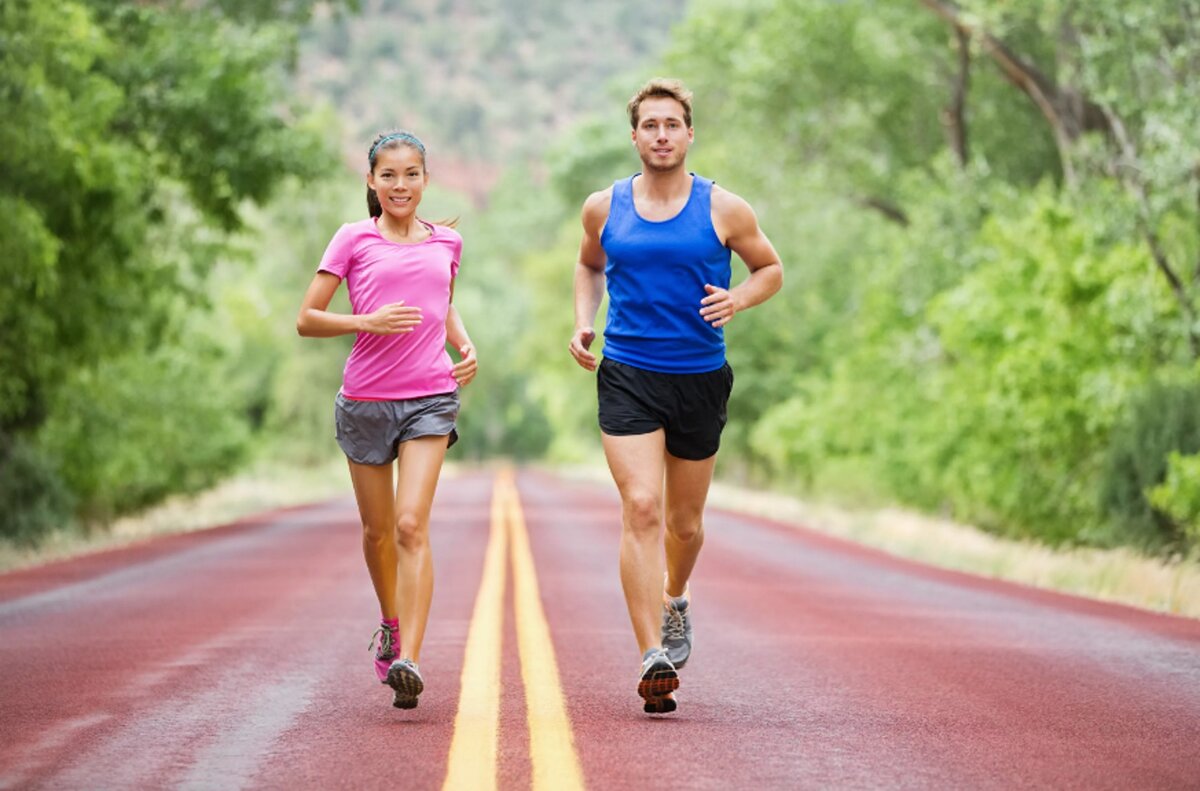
[657, 682]
[404, 677]
[677, 632]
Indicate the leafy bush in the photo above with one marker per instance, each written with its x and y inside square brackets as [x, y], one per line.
[34, 497]
[136, 429]
[1179, 495]
[1162, 422]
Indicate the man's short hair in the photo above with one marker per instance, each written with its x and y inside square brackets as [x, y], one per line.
[661, 87]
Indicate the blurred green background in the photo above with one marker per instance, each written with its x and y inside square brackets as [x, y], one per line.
[987, 212]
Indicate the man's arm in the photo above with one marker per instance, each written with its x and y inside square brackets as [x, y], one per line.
[589, 277]
[737, 227]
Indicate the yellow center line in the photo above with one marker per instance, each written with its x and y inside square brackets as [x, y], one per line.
[472, 760]
[552, 753]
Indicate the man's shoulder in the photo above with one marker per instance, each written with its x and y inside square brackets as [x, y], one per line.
[596, 206]
[727, 203]
[602, 198]
[599, 197]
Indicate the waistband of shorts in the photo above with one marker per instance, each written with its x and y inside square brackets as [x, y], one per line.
[345, 397]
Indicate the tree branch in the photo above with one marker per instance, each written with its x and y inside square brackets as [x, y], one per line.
[1131, 176]
[954, 117]
[885, 207]
[1068, 112]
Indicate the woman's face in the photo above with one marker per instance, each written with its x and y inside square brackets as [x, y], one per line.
[399, 179]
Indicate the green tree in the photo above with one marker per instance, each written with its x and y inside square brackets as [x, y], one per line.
[134, 133]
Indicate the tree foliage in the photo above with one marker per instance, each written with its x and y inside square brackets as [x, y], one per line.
[133, 134]
[987, 217]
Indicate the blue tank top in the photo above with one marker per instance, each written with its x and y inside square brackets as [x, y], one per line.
[656, 273]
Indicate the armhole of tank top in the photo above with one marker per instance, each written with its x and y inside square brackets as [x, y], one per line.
[612, 201]
[708, 186]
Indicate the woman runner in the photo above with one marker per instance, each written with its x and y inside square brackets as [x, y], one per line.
[399, 396]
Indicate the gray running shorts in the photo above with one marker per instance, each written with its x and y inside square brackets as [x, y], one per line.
[370, 432]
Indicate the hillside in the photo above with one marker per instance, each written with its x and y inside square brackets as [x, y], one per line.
[483, 82]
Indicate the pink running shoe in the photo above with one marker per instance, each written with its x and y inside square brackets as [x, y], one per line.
[387, 651]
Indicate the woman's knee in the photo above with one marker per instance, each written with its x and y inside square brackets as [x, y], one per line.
[377, 532]
[410, 531]
[685, 526]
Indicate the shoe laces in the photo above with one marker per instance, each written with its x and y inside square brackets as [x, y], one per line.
[674, 624]
[387, 640]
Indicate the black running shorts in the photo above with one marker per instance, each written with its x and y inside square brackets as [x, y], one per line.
[690, 408]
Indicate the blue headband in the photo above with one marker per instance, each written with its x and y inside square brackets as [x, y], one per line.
[407, 137]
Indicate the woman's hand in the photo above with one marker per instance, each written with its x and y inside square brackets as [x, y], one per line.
[393, 319]
[464, 371]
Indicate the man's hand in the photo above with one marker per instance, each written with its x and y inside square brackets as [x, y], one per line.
[581, 341]
[718, 307]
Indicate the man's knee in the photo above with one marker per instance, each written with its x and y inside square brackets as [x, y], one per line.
[643, 512]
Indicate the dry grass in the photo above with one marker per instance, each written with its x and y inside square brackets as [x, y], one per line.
[259, 489]
[1118, 575]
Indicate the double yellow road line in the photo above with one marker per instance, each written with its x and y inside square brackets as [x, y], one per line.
[472, 761]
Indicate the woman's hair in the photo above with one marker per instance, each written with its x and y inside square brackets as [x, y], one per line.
[385, 142]
[661, 87]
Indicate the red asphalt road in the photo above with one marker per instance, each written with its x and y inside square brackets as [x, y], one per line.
[237, 658]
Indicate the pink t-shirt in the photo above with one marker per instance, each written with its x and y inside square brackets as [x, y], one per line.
[378, 272]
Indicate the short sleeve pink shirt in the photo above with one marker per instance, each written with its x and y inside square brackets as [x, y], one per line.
[378, 272]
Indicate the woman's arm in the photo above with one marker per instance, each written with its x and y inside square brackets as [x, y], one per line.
[317, 321]
[456, 335]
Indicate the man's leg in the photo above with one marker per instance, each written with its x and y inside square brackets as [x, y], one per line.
[686, 493]
[637, 464]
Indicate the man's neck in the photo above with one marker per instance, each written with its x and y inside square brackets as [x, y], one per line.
[659, 185]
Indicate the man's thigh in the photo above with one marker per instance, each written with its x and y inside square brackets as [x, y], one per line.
[636, 462]
[687, 484]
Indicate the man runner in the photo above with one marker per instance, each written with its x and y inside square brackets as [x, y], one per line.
[660, 242]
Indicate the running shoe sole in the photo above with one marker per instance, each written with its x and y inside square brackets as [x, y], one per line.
[662, 705]
[407, 685]
[656, 686]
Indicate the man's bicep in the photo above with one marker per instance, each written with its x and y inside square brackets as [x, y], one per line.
[591, 252]
[755, 249]
[595, 214]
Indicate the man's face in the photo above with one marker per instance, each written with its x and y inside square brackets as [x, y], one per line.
[662, 137]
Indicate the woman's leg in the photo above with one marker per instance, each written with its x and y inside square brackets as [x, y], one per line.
[419, 465]
[376, 500]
